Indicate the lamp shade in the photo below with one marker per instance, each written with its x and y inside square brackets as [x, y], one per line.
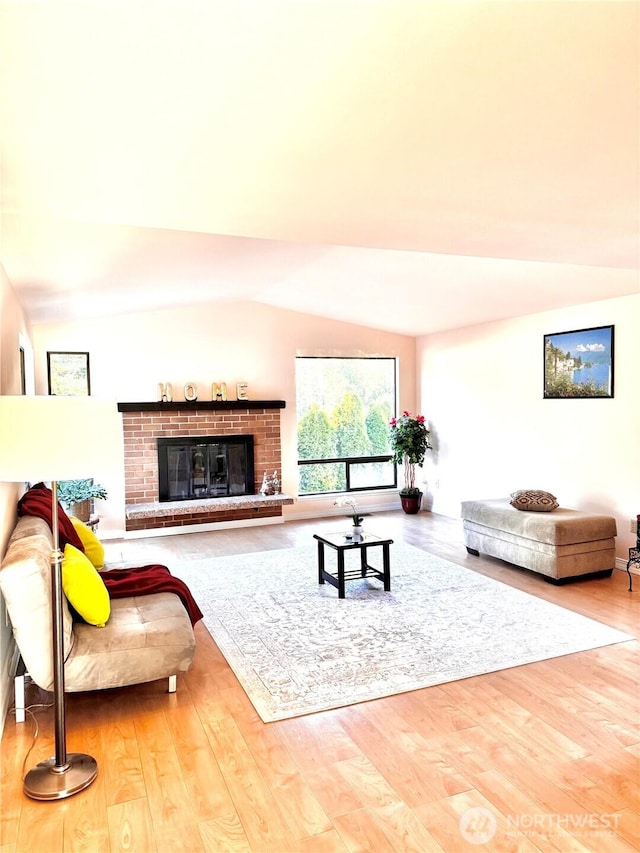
[54, 438]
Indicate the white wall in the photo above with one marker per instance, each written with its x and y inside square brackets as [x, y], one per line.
[481, 389]
[13, 334]
[230, 342]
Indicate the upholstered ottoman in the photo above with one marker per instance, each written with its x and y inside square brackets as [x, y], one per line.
[561, 545]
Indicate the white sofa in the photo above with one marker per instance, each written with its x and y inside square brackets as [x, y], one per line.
[561, 545]
[147, 637]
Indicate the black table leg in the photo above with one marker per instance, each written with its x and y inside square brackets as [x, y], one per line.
[386, 568]
[320, 562]
[363, 561]
[340, 574]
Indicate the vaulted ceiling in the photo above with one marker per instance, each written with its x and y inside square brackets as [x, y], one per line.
[435, 164]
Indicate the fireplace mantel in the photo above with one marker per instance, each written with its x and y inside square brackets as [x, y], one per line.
[206, 405]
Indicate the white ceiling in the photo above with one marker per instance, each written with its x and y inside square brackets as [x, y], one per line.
[434, 164]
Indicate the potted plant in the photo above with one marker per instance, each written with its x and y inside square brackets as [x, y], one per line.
[409, 439]
[356, 518]
[76, 496]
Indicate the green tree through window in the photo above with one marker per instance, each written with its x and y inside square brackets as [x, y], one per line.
[377, 426]
[344, 406]
[316, 440]
[350, 429]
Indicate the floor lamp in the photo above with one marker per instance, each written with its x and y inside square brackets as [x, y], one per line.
[51, 439]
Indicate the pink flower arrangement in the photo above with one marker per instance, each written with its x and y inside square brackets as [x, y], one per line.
[410, 440]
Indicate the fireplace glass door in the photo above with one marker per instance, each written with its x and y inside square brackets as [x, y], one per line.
[205, 468]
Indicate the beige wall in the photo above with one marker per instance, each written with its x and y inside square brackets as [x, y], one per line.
[481, 388]
[227, 342]
[13, 332]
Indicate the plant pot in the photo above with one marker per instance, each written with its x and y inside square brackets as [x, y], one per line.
[356, 531]
[81, 510]
[411, 503]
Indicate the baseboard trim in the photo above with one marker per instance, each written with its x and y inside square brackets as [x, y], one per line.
[326, 513]
[621, 564]
[6, 690]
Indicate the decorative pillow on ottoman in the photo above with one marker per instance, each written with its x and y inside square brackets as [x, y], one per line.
[534, 500]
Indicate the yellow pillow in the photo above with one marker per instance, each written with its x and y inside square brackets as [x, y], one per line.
[84, 588]
[93, 547]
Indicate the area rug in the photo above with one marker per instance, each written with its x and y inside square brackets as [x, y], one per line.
[297, 649]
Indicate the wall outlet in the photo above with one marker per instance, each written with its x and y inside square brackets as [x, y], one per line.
[634, 525]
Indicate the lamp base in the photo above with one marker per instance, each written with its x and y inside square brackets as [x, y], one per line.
[45, 782]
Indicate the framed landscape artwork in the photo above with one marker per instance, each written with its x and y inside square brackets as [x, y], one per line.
[579, 363]
[68, 374]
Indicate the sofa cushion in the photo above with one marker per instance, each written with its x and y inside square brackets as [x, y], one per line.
[25, 582]
[146, 638]
[84, 588]
[93, 547]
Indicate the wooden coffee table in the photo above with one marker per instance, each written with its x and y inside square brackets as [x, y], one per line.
[340, 543]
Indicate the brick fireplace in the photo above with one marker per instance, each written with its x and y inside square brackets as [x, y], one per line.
[144, 423]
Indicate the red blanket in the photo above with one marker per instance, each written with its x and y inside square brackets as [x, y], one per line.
[144, 580]
[37, 501]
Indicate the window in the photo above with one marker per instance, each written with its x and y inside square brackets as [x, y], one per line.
[344, 408]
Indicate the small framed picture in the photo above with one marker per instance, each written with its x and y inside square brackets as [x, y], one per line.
[68, 374]
[579, 363]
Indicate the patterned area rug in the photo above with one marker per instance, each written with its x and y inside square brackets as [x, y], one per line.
[296, 648]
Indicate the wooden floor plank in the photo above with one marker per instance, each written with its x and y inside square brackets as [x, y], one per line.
[206, 789]
[225, 835]
[404, 830]
[360, 832]
[16, 741]
[327, 842]
[253, 800]
[303, 813]
[627, 827]
[405, 775]
[131, 827]
[41, 828]
[590, 725]
[85, 818]
[174, 819]
[518, 726]
[362, 777]
[123, 776]
[317, 739]
[547, 831]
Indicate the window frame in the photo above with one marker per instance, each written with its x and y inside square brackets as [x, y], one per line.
[348, 461]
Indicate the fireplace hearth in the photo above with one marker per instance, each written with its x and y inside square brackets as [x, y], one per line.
[212, 466]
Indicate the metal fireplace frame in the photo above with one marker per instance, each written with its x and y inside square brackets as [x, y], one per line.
[244, 441]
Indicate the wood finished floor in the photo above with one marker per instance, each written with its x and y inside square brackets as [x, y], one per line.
[546, 756]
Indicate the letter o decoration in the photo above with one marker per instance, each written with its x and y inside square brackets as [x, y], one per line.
[190, 392]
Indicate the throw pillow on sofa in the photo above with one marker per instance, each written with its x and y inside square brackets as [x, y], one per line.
[93, 547]
[533, 500]
[84, 588]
